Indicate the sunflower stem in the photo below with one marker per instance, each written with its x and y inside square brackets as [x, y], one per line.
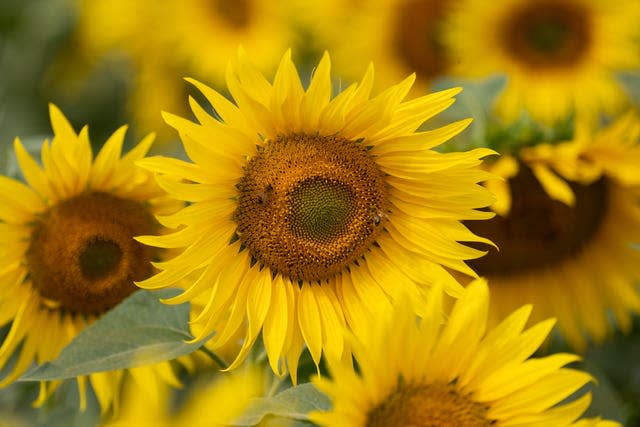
[217, 359]
[275, 385]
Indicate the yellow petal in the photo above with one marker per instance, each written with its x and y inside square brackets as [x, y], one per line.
[31, 171]
[275, 327]
[553, 185]
[19, 202]
[310, 321]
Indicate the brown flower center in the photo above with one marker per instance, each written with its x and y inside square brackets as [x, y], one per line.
[429, 405]
[235, 13]
[418, 37]
[82, 255]
[539, 231]
[547, 34]
[310, 205]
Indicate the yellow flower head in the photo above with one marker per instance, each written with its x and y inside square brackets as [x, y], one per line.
[169, 39]
[67, 252]
[559, 56]
[206, 33]
[453, 372]
[307, 210]
[569, 218]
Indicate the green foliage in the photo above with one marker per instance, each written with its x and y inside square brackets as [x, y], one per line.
[61, 410]
[615, 365]
[293, 403]
[475, 101]
[139, 331]
[31, 33]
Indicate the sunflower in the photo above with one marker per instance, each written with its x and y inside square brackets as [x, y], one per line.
[455, 372]
[204, 34]
[400, 36]
[559, 56]
[67, 252]
[166, 40]
[212, 403]
[306, 211]
[569, 217]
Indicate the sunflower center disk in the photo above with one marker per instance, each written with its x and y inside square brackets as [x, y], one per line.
[539, 231]
[430, 405]
[418, 36]
[82, 255]
[236, 14]
[547, 36]
[99, 258]
[551, 34]
[309, 205]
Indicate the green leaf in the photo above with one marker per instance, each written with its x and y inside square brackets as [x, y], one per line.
[139, 331]
[293, 403]
[606, 400]
[615, 363]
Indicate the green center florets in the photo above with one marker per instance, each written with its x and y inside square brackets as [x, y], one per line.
[548, 35]
[321, 209]
[99, 258]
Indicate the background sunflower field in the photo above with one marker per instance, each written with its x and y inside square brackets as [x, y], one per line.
[552, 86]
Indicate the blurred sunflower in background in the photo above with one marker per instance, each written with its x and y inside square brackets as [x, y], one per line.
[560, 57]
[453, 372]
[400, 36]
[164, 41]
[205, 34]
[319, 209]
[67, 253]
[568, 229]
[211, 402]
